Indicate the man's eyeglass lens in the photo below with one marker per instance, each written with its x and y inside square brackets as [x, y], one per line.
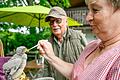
[58, 21]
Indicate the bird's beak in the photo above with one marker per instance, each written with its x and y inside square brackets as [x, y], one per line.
[26, 50]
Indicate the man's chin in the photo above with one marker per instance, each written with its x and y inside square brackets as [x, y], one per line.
[57, 33]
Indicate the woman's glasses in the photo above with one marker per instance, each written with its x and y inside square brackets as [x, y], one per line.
[56, 20]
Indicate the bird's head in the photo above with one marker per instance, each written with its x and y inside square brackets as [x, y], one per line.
[21, 50]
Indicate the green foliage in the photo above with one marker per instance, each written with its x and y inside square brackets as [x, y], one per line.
[45, 3]
[66, 3]
[32, 30]
[61, 3]
[12, 40]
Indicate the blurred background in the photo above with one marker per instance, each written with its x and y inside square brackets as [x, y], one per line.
[14, 35]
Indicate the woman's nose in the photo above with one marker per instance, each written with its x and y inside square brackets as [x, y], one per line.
[89, 17]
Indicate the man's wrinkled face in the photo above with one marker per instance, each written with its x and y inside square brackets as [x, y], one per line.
[58, 25]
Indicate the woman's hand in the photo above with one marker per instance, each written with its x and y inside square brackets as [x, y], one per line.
[45, 49]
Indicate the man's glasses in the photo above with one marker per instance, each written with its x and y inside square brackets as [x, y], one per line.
[56, 20]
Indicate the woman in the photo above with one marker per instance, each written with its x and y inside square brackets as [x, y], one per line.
[1, 49]
[100, 60]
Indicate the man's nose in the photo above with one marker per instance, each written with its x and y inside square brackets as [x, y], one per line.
[55, 23]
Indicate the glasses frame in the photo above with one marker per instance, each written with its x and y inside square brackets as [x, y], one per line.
[55, 20]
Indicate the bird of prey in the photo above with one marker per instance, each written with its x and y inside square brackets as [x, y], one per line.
[15, 66]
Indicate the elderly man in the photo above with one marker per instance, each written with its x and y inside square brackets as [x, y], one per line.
[67, 43]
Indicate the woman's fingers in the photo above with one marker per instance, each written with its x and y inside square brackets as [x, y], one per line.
[42, 45]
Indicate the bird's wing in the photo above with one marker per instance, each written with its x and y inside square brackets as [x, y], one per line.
[12, 65]
[21, 68]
